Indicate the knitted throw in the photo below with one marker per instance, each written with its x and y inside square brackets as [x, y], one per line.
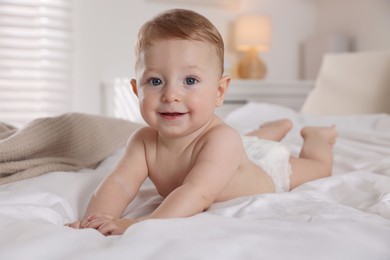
[68, 142]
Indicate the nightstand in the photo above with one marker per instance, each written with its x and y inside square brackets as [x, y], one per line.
[287, 93]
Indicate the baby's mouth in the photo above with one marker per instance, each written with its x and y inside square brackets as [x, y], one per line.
[171, 115]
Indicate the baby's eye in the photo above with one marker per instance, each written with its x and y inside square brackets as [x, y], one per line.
[155, 81]
[190, 81]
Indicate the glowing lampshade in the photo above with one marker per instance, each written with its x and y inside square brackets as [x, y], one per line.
[252, 34]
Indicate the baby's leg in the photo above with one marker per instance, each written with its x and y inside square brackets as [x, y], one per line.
[316, 157]
[273, 130]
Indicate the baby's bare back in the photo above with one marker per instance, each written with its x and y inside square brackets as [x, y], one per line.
[169, 168]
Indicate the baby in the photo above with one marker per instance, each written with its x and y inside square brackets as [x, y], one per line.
[193, 158]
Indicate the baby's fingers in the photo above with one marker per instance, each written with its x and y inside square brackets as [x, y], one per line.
[92, 218]
[76, 224]
[109, 228]
[95, 223]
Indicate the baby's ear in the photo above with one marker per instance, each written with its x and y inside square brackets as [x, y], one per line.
[133, 83]
[223, 85]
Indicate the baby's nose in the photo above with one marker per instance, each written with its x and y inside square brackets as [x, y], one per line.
[171, 94]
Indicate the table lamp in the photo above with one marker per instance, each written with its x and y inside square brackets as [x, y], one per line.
[252, 35]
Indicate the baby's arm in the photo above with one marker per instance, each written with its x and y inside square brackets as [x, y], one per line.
[120, 187]
[214, 167]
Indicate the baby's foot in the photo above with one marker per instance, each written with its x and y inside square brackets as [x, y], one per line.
[273, 130]
[282, 125]
[328, 133]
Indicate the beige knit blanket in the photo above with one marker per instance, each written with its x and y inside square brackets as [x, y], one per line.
[68, 142]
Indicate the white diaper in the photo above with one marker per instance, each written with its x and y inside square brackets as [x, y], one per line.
[272, 157]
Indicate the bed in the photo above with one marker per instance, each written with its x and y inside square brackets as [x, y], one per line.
[345, 216]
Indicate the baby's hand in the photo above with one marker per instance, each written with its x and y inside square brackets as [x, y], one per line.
[89, 221]
[75, 224]
[107, 224]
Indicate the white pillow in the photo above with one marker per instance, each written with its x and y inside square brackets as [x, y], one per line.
[351, 83]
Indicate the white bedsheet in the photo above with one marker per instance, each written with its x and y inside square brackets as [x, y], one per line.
[346, 216]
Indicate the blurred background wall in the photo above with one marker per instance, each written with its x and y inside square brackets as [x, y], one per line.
[104, 33]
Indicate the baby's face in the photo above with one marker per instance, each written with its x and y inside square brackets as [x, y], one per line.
[177, 85]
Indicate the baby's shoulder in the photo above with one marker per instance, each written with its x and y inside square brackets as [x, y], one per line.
[143, 134]
[223, 132]
[145, 131]
[223, 129]
[219, 139]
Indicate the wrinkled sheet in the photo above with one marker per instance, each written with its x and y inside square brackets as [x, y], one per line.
[345, 216]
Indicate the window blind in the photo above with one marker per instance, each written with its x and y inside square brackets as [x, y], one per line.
[35, 59]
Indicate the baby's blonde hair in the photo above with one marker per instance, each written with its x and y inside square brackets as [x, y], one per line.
[179, 24]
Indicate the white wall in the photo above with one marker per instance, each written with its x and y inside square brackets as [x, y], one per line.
[367, 22]
[105, 32]
[347, 25]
